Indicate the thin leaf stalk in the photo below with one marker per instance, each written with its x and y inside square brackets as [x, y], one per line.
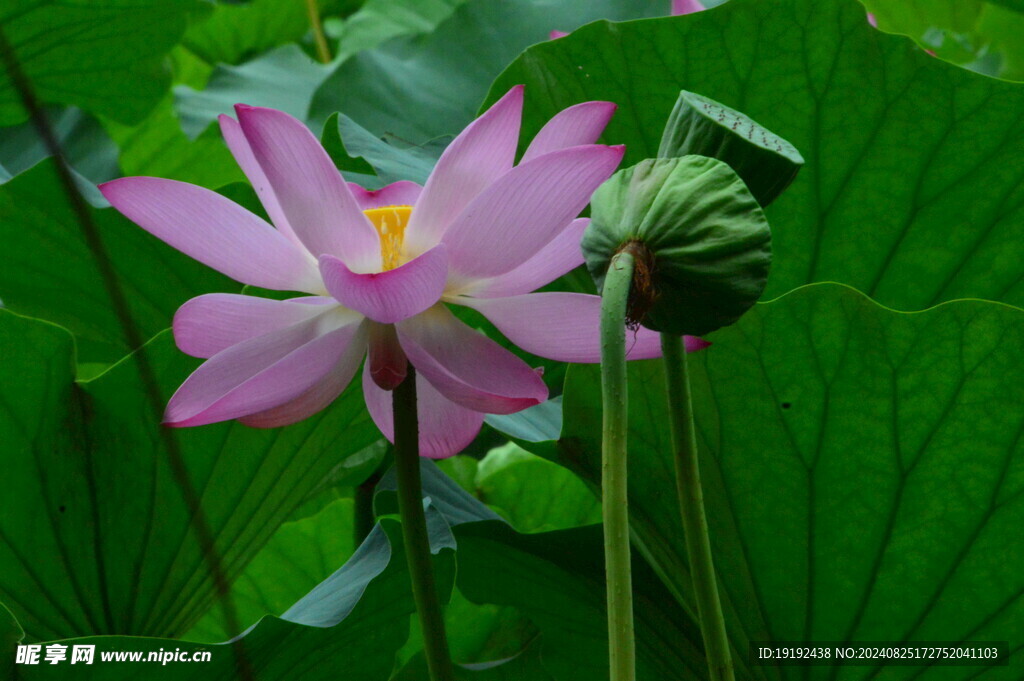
[323, 50]
[621, 643]
[691, 507]
[414, 530]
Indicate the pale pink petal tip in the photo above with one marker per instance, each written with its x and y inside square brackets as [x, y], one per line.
[872, 20]
[526, 209]
[680, 7]
[312, 195]
[695, 344]
[484, 151]
[559, 326]
[234, 137]
[577, 125]
[261, 374]
[555, 35]
[214, 230]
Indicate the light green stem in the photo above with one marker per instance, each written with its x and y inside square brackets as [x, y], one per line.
[414, 531]
[621, 646]
[691, 506]
[323, 51]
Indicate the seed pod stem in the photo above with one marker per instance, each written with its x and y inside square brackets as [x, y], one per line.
[615, 510]
[691, 507]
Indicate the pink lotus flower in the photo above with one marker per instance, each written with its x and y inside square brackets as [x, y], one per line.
[379, 269]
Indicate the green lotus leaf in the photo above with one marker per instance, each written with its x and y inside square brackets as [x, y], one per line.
[913, 187]
[46, 257]
[96, 538]
[105, 56]
[862, 472]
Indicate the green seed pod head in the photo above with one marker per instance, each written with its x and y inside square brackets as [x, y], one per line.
[698, 125]
[701, 242]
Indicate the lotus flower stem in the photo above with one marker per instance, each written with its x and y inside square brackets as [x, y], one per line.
[323, 52]
[621, 646]
[691, 506]
[414, 530]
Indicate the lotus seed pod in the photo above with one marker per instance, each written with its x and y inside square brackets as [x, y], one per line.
[700, 240]
[698, 125]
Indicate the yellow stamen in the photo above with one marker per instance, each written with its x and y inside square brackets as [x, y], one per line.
[390, 222]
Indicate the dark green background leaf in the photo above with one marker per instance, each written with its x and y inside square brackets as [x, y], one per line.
[422, 87]
[557, 580]
[981, 35]
[157, 147]
[105, 56]
[863, 474]
[354, 621]
[379, 20]
[86, 146]
[95, 534]
[10, 635]
[349, 144]
[300, 555]
[532, 493]
[912, 191]
[234, 32]
[50, 273]
[284, 79]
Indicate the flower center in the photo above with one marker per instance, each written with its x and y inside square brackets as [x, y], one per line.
[390, 222]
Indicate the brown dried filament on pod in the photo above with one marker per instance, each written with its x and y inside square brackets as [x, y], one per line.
[642, 292]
